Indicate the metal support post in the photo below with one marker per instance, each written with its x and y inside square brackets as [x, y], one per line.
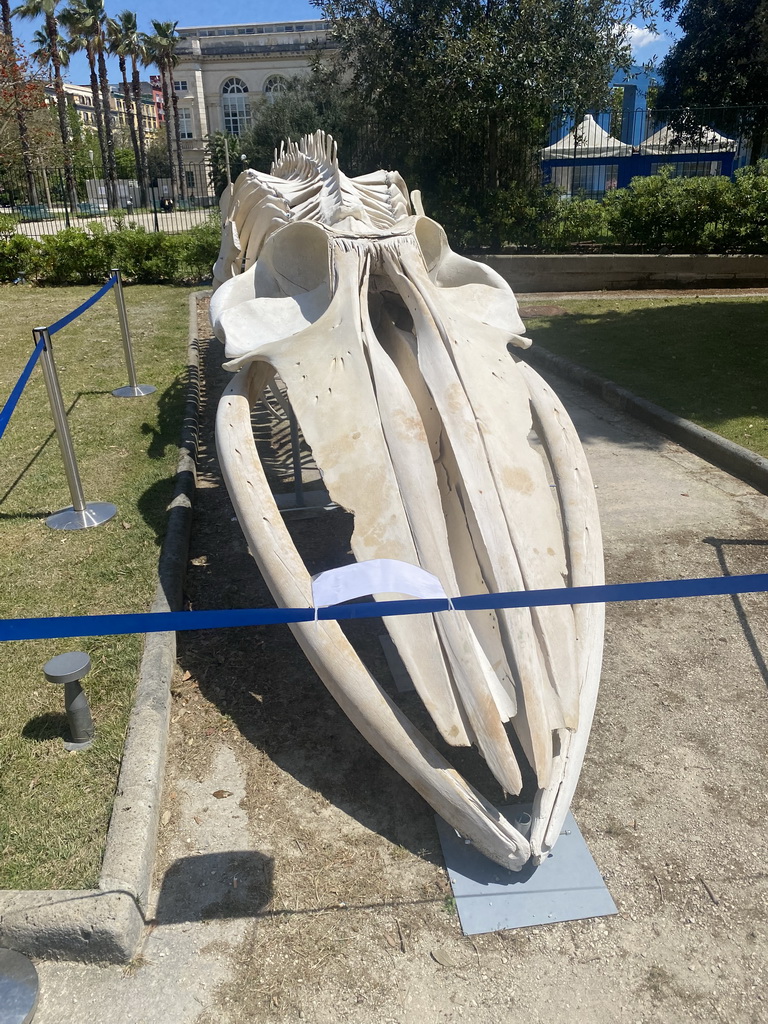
[63, 187]
[132, 390]
[298, 483]
[226, 160]
[78, 516]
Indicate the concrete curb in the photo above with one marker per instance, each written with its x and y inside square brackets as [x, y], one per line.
[739, 462]
[106, 924]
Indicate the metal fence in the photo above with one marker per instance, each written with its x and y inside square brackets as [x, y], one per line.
[605, 150]
[588, 156]
[48, 210]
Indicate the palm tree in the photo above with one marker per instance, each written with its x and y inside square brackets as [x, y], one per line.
[156, 55]
[42, 56]
[11, 58]
[84, 20]
[119, 31]
[162, 48]
[134, 48]
[42, 51]
[47, 10]
[76, 43]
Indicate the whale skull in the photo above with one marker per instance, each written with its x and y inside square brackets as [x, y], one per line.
[451, 454]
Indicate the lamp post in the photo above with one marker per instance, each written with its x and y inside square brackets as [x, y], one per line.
[226, 160]
[94, 196]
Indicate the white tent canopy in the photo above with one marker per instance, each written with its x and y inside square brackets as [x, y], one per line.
[699, 139]
[587, 139]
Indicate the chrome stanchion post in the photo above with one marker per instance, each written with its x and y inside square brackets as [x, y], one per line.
[298, 483]
[133, 390]
[78, 516]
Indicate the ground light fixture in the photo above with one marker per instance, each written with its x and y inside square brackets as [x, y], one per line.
[67, 670]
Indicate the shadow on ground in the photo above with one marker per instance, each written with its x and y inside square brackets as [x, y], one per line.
[236, 883]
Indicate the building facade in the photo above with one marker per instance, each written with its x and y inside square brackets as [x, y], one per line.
[225, 70]
[80, 98]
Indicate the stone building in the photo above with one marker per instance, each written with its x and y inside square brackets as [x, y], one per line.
[224, 70]
[80, 98]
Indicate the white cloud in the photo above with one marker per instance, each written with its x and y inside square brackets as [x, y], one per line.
[639, 38]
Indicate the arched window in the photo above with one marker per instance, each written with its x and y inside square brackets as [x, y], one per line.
[275, 86]
[235, 106]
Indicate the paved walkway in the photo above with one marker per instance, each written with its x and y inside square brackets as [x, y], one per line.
[672, 801]
[172, 223]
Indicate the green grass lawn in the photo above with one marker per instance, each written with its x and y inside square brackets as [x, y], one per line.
[55, 805]
[704, 359]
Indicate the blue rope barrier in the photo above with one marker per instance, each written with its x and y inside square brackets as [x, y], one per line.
[83, 306]
[13, 399]
[162, 622]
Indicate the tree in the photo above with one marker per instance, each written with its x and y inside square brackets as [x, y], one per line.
[305, 104]
[158, 162]
[118, 41]
[156, 50]
[223, 152]
[133, 47]
[94, 21]
[47, 10]
[438, 67]
[13, 100]
[162, 48]
[83, 20]
[721, 61]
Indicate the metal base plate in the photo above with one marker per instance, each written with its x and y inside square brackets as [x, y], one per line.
[134, 392]
[71, 745]
[96, 513]
[314, 502]
[19, 988]
[566, 886]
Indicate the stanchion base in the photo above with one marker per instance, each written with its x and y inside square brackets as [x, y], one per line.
[94, 514]
[19, 988]
[134, 392]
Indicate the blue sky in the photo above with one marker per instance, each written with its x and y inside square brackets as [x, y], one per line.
[205, 12]
[189, 12]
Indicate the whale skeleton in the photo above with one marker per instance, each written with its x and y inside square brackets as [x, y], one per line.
[451, 454]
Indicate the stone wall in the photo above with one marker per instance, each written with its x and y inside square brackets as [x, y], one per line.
[618, 271]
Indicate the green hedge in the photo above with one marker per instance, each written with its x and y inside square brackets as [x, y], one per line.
[86, 256]
[661, 213]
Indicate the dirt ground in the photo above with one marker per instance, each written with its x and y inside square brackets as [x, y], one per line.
[343, 906]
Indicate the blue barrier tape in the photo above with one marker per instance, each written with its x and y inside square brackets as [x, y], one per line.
[83, 306]
[13, 399]
[162, 622]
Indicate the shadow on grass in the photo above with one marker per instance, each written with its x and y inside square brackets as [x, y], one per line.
[153, 507]
[170, 408]
[38, 453]
[706, 361]
[49, 726]
[153, 503]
